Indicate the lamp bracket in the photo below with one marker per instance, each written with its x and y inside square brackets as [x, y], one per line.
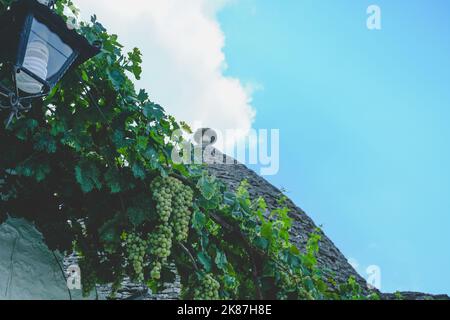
[11, 100]
[16, 106]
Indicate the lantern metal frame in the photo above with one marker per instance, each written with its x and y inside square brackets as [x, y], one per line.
[15, 30]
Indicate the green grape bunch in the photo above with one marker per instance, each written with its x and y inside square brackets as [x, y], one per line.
[136, 248]
[162, 194]
[208, 289]
[173, 201]
[161, 242]
[156, 271]
[182, 213]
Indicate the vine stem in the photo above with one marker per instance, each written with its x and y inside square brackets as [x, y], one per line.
[248, 247]
[251, 250]
[188, 252]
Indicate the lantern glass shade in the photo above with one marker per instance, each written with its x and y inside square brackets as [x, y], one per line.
[45, 55]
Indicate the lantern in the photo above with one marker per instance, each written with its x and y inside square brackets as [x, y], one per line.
[37, 49]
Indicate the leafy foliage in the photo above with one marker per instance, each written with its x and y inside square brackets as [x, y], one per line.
[90, 166]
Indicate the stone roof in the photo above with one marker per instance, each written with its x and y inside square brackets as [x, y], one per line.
[330, 259]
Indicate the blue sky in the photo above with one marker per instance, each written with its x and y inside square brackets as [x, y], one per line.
[364, 123]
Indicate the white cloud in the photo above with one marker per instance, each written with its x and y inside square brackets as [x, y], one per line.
[184, 64]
